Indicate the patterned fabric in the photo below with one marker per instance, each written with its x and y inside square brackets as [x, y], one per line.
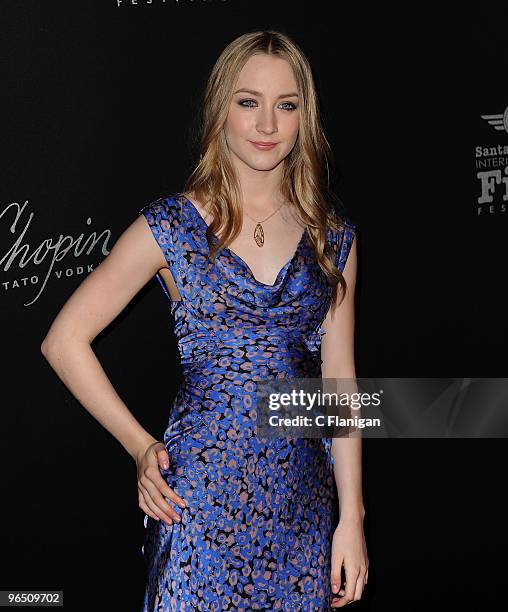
[256, 532]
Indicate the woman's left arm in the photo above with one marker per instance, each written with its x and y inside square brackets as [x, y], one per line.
[337, 353]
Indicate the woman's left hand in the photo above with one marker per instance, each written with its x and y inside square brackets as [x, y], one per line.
[348, 550]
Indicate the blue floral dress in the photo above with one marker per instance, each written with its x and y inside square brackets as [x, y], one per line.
[256, 532]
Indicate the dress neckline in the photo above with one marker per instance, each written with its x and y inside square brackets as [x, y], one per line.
[282, 272]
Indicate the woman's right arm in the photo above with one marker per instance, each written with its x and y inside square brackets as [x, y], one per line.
[132, 262]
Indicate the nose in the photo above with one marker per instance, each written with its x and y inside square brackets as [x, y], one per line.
[266, 121]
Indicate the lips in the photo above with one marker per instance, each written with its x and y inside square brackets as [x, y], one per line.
[263, 145]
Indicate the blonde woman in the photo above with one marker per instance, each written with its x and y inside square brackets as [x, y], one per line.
[260, 272]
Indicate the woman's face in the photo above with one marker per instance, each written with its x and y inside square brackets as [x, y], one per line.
[267, 112]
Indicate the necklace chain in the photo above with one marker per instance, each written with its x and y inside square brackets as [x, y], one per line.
[266, 217]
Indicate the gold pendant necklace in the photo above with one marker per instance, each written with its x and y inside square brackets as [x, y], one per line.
[259, 234]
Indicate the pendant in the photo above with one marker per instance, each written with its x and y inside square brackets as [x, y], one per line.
[259, 235]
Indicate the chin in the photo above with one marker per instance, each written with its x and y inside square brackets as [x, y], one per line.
[267, 165]
[263, 160]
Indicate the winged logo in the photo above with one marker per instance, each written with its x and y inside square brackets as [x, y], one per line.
[498, 122]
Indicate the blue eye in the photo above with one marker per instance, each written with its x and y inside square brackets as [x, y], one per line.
[245, 105]
[243, 101]
[293, 106]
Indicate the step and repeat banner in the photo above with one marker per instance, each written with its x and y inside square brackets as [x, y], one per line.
[100, 116]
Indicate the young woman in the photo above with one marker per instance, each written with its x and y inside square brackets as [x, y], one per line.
[252, 256]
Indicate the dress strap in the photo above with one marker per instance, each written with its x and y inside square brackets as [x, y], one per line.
[164, 220]
[346, 236]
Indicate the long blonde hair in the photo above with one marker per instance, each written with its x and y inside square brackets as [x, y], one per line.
[304, 181]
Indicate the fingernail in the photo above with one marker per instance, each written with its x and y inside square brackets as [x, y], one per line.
[334, 588]
[165, 465]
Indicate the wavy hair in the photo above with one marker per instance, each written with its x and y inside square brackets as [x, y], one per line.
[304, 183]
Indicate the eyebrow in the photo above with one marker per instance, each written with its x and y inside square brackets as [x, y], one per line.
[257, 93]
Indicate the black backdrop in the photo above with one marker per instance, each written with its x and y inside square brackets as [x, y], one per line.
[99, 102]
